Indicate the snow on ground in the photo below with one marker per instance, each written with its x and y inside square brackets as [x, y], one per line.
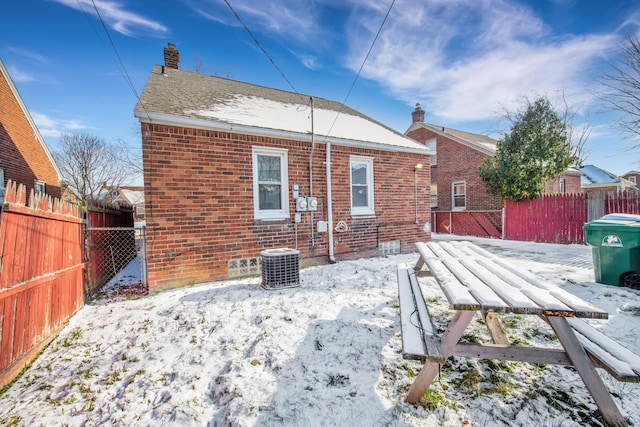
[327, 353]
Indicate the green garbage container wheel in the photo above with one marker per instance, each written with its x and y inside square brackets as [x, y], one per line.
[632, 280]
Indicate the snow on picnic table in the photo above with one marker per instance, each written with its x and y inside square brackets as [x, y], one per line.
[327, 353]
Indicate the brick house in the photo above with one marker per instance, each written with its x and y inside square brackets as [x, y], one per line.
[596, 179]
[126, 194]
[460, 201]
[231, 169]
[633, 177]
[24, 156]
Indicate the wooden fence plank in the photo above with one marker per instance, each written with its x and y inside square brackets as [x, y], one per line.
[40, 245]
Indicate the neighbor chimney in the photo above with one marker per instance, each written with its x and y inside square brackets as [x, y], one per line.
[171, 56]
[418, 114]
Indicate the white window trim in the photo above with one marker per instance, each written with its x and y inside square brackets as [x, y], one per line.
[271, 214]
[38, 183]
[370, 209]
[431, 195]
[433, 160]
[453, 207]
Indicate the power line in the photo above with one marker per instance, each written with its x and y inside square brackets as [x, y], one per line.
[260, 46]
[361, 67]
[123, 69]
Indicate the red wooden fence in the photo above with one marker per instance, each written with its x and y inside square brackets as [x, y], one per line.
[560, 218]
[627, 202]
[40, 274]
[552, 218]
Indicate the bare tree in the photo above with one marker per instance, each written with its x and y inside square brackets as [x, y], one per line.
[576, 134]
[623, 87]
[87, 164]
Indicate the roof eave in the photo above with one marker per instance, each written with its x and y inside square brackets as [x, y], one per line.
[32, 123]
[475, 146]
[171, 120]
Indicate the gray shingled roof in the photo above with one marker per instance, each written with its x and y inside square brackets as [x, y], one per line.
[209, 101]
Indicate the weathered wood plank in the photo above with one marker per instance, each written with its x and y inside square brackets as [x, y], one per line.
[450, 338]
[412, 344]
[486, 297]
[421, 340]
[428, 330]
[495, 328]
[580, 307]
[550, 304]
[457, 294]
[516, 300]
[613, 353]
[514, 353]
[586, 370]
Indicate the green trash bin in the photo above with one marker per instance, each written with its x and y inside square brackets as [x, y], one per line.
[615, 244]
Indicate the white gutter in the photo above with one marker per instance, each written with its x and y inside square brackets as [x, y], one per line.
[172, 120]
[332, 258]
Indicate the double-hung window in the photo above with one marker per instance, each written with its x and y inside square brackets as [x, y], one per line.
[39, 186]
[362, 186]
[432, 145]
[459, 195]
[270, 184]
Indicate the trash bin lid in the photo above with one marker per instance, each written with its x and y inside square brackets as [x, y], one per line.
[615, 220]
[621, 217]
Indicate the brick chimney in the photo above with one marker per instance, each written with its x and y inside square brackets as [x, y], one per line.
[171, 56]
[418, 114]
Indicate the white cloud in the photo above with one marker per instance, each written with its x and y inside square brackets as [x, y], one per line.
[20, 76]
[290, 19]
[116, 16]
[466, 60]
[53, 127]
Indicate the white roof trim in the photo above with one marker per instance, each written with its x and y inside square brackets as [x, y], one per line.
[475, 146]
[172, 120]
[36, 132]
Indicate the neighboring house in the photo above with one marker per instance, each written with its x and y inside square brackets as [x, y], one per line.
[130, 195]
[567, 183]
[632, 176]
[597, 179]
[24, 156]
[455, 183]
[232, 169]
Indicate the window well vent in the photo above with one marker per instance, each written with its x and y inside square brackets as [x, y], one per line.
[280, 268]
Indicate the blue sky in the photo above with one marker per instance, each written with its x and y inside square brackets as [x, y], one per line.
[464, 61]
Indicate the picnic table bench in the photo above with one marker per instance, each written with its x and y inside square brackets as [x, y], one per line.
[474, 280]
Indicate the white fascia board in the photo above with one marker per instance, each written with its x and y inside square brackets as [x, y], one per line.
[171, 120]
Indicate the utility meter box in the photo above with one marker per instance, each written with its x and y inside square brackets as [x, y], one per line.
[312, 203]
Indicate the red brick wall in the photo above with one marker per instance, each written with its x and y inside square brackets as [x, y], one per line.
[21, 155]
[571, 185]
[199, 203]
[457, 162]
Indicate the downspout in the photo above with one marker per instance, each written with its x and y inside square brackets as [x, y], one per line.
[313, 147]
[332, 258]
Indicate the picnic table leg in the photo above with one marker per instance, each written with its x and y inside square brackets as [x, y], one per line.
[495, 328]
[430, 369]
[587, 371]
[419, 264]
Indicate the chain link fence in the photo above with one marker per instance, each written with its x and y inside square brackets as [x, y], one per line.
[112, 253]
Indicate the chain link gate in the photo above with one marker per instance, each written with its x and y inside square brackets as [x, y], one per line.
[116, 256]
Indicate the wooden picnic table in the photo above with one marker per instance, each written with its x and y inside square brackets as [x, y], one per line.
[474, 280]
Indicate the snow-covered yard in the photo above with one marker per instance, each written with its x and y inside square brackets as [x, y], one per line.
[327, 353]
